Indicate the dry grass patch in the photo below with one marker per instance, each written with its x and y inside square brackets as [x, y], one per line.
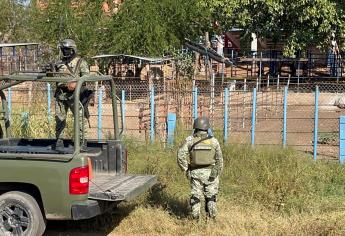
[232, 220]
[264, 191]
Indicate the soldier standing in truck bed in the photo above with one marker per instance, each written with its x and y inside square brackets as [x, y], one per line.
[73, 64]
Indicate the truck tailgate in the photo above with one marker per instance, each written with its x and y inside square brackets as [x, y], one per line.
[111, 187]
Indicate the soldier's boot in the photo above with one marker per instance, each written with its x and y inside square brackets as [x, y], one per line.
[60, 125]
[58, 145]
[195, 207]
[196, 217]
[210, 208]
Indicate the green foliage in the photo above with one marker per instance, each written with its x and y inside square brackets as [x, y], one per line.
[172, 190]
[14, 21]
[154, 27]
[280, 180]
[149, 28]
[82, 22]
[283, 180]
[303, 23]
[32, 122]
[184, 63]
[28, 124]
[328, 138]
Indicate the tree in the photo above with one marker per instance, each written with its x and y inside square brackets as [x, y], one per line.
[140, 27]
[303, 23]
[153, 27]
[60, 19]
[341, 26]
[13, 23]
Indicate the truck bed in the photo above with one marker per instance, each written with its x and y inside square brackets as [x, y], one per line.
[108, 161]
[116, 188]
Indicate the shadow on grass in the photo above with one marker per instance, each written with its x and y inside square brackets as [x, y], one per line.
[158, 197]
[98, 226]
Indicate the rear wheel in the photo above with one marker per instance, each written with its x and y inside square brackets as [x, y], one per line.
[20, 215]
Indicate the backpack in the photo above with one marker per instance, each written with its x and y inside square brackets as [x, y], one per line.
[202, 153]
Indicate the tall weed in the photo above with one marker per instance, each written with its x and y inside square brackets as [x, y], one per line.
[281, 180]
[264, 191]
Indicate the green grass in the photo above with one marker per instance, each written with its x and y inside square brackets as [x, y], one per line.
[281, 180]
[36, 123]
[263, 191]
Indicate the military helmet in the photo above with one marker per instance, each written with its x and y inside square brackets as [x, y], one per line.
[68, 48]
[201, 123]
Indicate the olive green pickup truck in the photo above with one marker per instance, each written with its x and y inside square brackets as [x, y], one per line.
[79, 181]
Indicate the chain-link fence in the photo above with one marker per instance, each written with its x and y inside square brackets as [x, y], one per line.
[18, 57]
[281, 117]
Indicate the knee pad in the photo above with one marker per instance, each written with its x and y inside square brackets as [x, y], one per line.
[213, 198]
[194, 200]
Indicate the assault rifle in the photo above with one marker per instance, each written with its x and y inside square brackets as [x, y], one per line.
[51, 69]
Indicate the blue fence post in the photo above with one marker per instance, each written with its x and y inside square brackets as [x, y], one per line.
[49, 102]
[171, 125]
[226, 111]
[9, 102]
[253, 118]
[152, 115]
[342, 139]
[123, 107]
[285, 115]
[195, 103]
[99, 122]
[316, 121]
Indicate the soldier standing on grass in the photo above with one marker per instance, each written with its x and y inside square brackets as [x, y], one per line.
[70, 64]
[201, 158]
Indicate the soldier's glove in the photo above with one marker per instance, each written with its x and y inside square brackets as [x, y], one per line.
[188, 174]
[213, 175]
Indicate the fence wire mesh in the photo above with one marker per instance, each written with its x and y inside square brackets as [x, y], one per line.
[32, 111]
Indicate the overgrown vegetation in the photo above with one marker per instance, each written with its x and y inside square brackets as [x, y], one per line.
[263, 191]
[304, 23]
[328, 138]
[33, 122]
[153, 28]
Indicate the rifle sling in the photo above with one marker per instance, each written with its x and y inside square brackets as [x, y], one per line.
[77, 67]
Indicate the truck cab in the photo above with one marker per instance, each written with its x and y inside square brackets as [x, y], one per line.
[79, 181]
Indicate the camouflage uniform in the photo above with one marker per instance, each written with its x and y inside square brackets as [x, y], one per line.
[64, 98]
[204, 180]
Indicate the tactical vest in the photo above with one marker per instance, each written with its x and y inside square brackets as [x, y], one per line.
[202, 154]
[62, 93]
[73, 67]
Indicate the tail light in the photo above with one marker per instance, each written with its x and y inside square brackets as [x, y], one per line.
[79, 180]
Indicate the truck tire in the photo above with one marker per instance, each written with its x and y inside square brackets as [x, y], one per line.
[20, 215]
